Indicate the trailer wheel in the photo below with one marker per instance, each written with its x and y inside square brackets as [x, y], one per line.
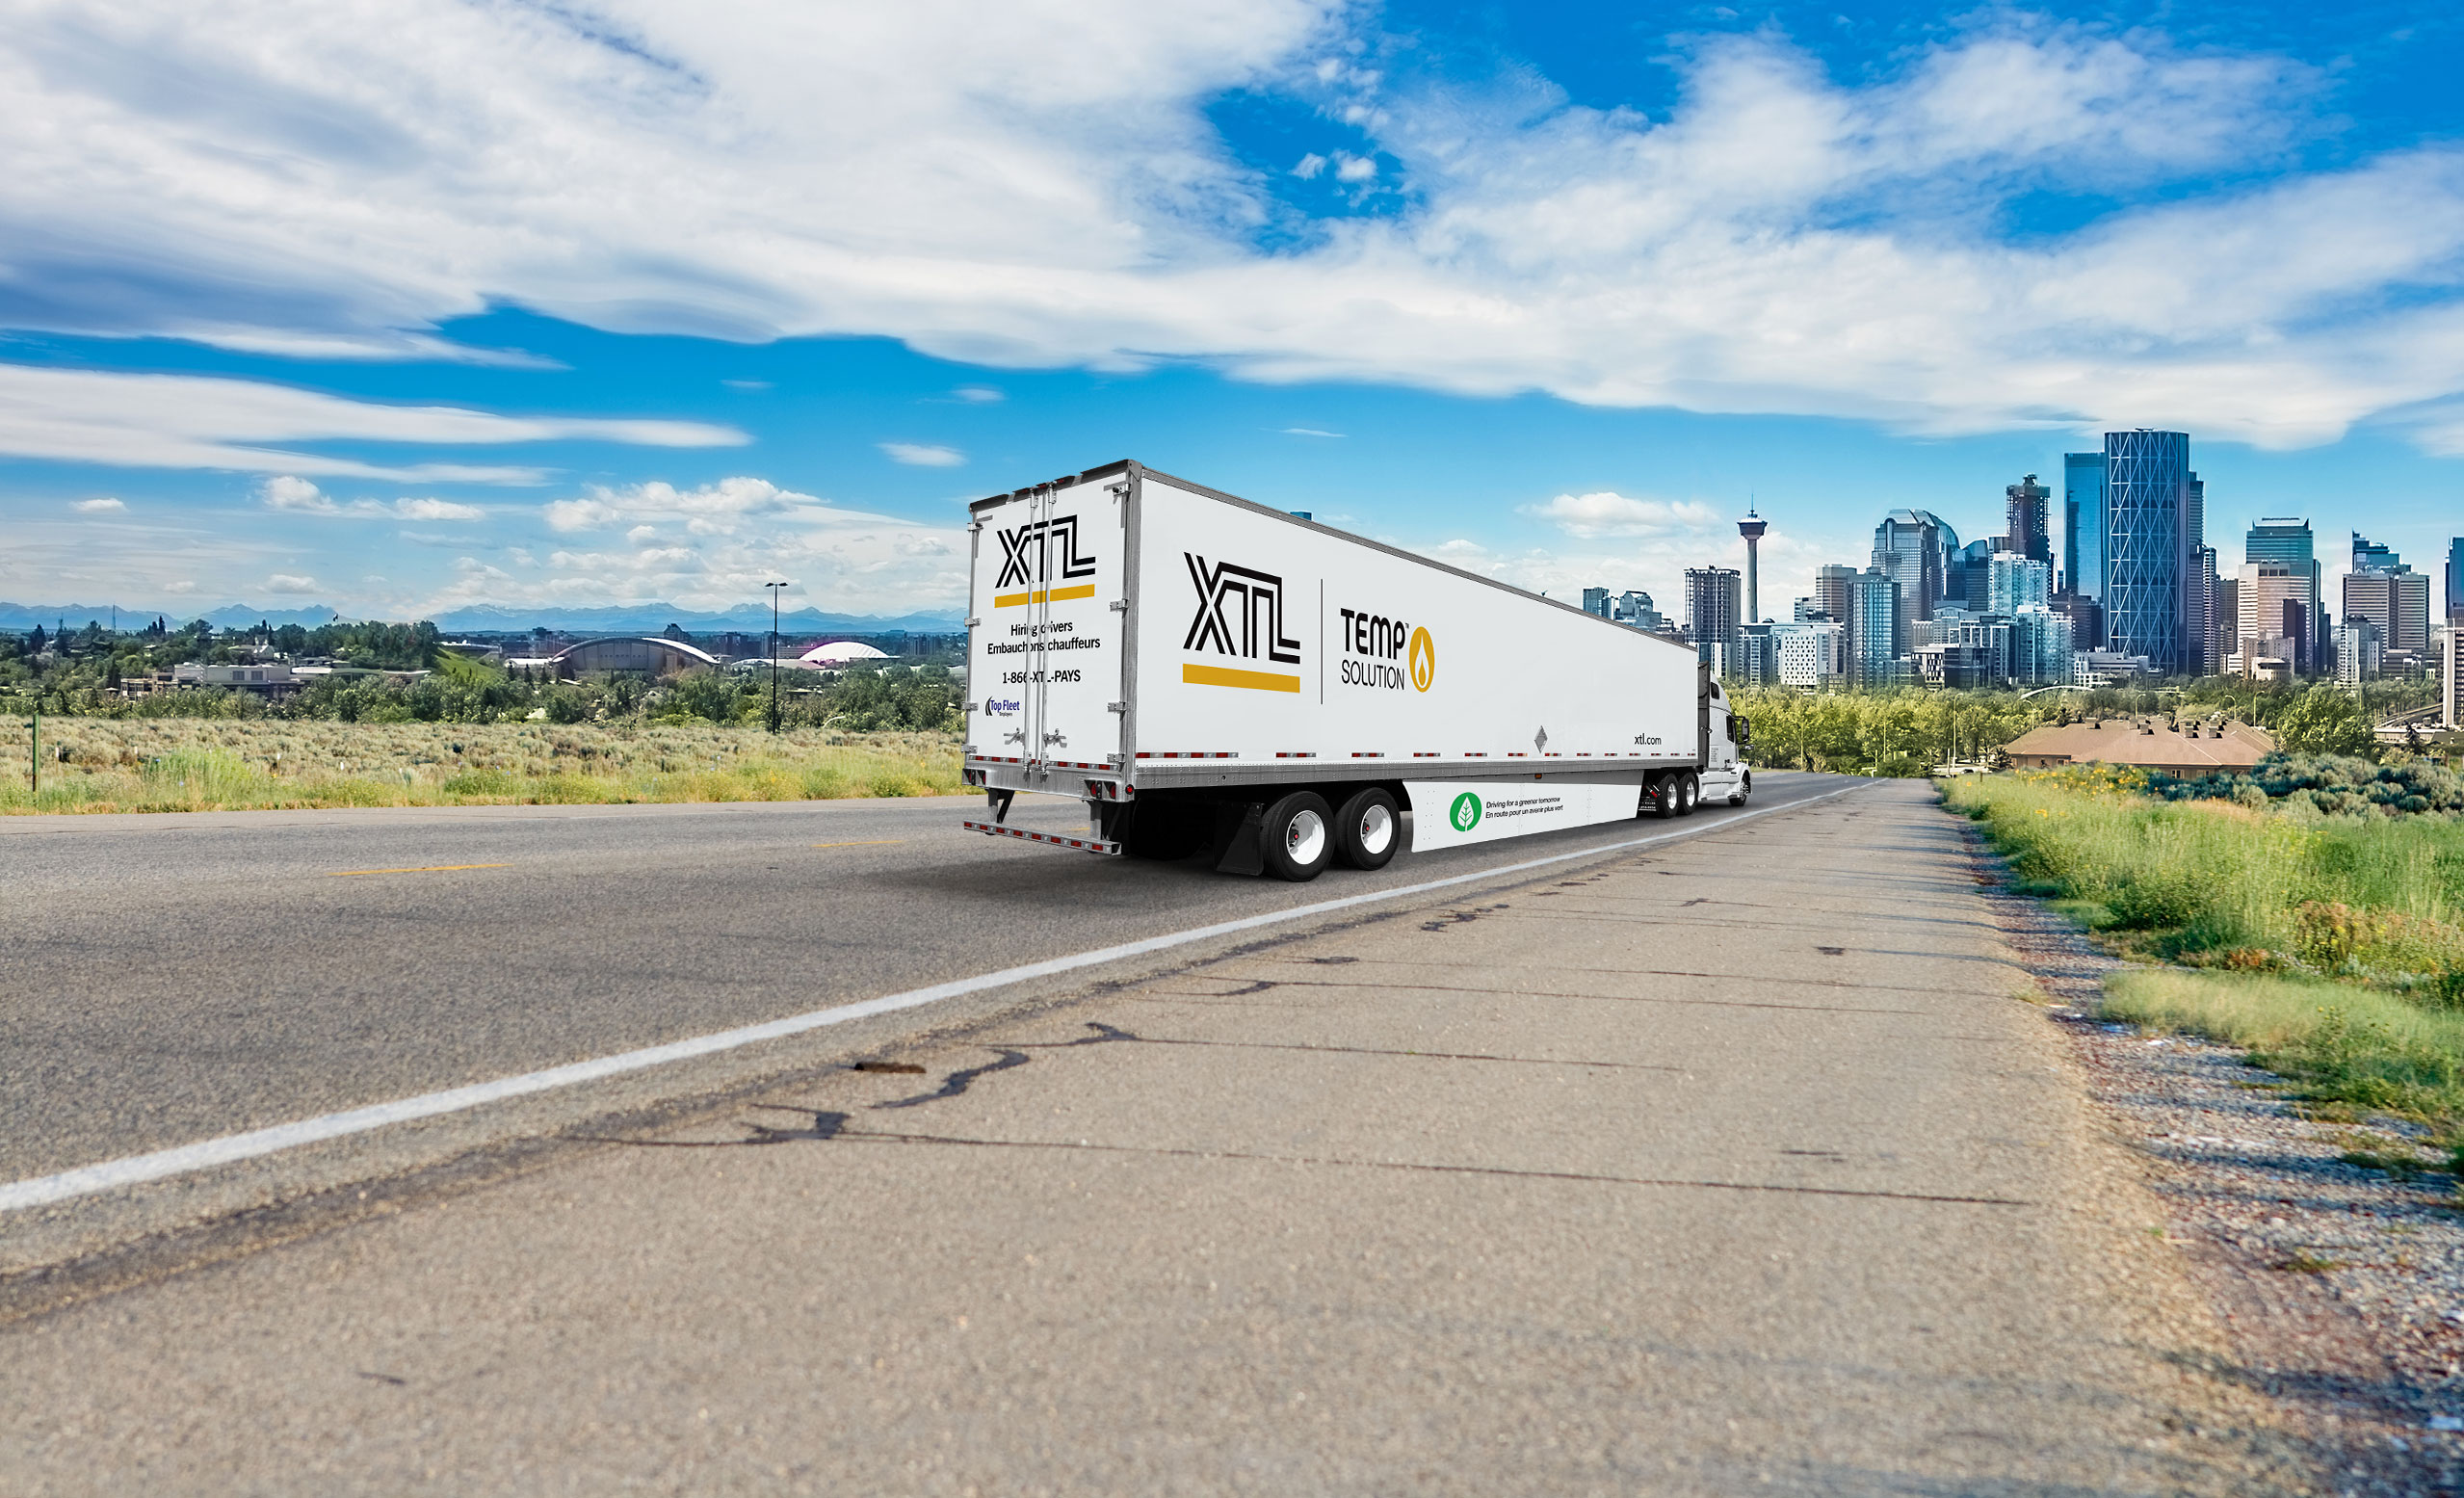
[1298, 837]
[1661, 797]
[1368, 829]
[1745, 788]
[1689, 794]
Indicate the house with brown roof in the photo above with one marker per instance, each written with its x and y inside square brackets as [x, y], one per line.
[2146, 742]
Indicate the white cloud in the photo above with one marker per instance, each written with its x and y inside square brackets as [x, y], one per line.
[290, 582]
[99, 507]
[1309, 167]
[289, 491]
[1608, 513]
[979, 395]
[1309, 431]
[436, 510]
[192, 421]
[256, 175]
[923, 456]
[714, 546]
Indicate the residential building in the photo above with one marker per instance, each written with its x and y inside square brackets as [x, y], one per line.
[2025, 520]
[1756, 663]
[1714, 599]
[2083, 524]
[1915, 549]
[2040, 645]
[1873, 629]
[1810, 652]
[2014, 582]
[2152, 530]
[2358, 644]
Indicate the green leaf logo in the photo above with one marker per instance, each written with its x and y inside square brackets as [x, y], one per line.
[1466, 814]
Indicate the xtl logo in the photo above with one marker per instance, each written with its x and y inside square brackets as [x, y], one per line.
[1028, 552]
[1260, 603]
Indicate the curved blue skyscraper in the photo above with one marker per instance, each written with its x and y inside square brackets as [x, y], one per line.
[2151, 538]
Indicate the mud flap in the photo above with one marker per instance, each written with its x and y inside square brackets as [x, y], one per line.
[1238, 830]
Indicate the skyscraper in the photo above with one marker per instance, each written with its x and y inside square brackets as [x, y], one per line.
[1914, 548]
[2373, 556]
[2456, 581]
[1831, 581]
[2285, 543]
[2150, 534]
[1752, 529]
[1595, 600]
[1874, 628]
[1711, 604]
[2023, 519]
[2083, 524]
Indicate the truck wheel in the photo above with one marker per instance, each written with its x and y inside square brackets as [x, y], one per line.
[1368, 829]
[1745, 788]
[1298, 837]
[1689, 793]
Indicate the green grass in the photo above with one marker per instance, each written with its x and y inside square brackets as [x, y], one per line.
[193, 765]
[2215, 877]
[2352, 1049]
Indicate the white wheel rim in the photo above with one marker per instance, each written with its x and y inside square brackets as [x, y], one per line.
[1377, 830]
[1304, 838]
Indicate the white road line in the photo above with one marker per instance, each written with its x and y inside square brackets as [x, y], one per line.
[134, 1170]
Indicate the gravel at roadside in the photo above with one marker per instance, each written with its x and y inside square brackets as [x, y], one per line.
[2343, 1286]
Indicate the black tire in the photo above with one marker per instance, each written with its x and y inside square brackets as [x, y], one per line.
[1298, 837]
[1369, 829]
[1689, 793]
[1745, 788]
[1661, 796]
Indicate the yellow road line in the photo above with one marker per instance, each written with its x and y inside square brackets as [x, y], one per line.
[870, 842]
[432, 868]
[1227, 676]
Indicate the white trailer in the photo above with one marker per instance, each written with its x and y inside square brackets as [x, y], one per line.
[1212, 676]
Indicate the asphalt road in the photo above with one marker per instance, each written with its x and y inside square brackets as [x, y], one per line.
[182, 976]
[1725, 1165]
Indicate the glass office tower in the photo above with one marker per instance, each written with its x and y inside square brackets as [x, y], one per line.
[2149, 544]
[2083, 524]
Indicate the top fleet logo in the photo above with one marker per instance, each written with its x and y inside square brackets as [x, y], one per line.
[1029, 553]
[1256, 624]
[1373, 643]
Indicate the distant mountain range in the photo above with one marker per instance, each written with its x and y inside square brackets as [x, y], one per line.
[487, 619]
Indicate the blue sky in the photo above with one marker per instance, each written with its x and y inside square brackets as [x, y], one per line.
[580, 305]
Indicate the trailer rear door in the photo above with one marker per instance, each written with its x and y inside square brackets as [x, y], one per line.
[1047, 662]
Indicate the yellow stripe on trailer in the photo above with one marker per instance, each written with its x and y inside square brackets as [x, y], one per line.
[1227, 676]
[1046, 596]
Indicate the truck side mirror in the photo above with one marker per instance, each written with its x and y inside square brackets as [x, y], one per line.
[1742, 730]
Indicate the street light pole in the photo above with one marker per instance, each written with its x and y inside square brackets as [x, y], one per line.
[774, 652]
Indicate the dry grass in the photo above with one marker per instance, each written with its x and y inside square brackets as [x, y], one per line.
[104, 765]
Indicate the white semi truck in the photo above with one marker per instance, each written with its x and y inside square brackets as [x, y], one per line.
[1212, 676]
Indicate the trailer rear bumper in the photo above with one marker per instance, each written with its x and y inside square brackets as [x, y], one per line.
[1095, 845]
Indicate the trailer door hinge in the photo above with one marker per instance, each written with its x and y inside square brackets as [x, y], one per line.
[975, 623]
[1116, 708]
[1121, 606]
